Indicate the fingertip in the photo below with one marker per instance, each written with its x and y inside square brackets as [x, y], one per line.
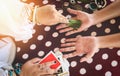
[65, 56]
[83, 60]
[68, 9]
[57, 28]
[67, 34]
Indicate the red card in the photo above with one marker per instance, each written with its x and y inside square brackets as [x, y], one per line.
[51, 57]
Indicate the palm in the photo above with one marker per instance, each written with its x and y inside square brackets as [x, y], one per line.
[85, 18]
[81, 45]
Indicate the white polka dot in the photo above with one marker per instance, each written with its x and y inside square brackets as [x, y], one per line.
[97, 50]
[41, 53]
[110, 47]
[60, 11]
[18, 49]
[119, 27]
[114, 63]
[82, 71]
[118, 52]
[40, 37]
[105, 56]
[93, 33]
[107, 30]
[25, 41]
[62, 40]
[87, 6]
[33, 31]
[112, 0]
[112, 21]
[90, 60]
[58, 0]
[32, 47]
[48, 43]
[79, 2]
[68, 16]
[45, 1]
[108, 73]
[66, 3]
[25, 56]
[85, 29]
[56, 49]
[55, 34]
[98, 67]
[47, 28]
[99, 25]
[73, 64]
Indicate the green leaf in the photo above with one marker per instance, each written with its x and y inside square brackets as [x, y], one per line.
[74, 23]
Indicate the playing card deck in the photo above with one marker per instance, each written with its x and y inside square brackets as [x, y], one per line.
[61, 64]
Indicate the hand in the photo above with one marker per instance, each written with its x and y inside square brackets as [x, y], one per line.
[86, 19]
[48, 15]
[81, 45]
[33, 68]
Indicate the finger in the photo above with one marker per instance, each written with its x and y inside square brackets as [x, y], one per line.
[66, 30]
[35, 60]
[68, 44]
[71, 40]
[70, 55]
[72, 11]
[74, 18]
[81, 28]
[88, 56]
[71, 32]
[67, 49]
[62, 19]
[61, 26]
[47, 71]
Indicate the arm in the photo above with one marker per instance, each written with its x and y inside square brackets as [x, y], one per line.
[109, 41]
[88, 20]
[89, 45]
[111, 11]
[33, 68]
[48, 15]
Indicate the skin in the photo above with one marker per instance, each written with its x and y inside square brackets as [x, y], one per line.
[48, 15]
[88, 20]
[89, 45]
[33, 68]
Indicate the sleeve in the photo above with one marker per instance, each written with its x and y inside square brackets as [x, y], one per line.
[19, 28]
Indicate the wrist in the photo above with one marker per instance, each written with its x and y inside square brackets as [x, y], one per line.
[102, 42]
[94, 19]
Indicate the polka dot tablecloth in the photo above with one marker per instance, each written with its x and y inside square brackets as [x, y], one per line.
[106, 62]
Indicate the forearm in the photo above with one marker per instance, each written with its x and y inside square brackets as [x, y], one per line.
[109, 41]
[111, 11]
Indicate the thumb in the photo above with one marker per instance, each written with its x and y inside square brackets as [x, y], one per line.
[62, 19]
[35, 60]
[88, 56]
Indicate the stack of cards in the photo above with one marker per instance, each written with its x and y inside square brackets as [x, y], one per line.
[51, 57]
[61, 64]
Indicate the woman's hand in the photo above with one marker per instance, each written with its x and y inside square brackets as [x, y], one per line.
[80, 45]
[48, 15]
[86, 19]
[33, 68]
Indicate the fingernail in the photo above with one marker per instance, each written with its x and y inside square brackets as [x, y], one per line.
[57, 28]
[60, 31]
[66, 34]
